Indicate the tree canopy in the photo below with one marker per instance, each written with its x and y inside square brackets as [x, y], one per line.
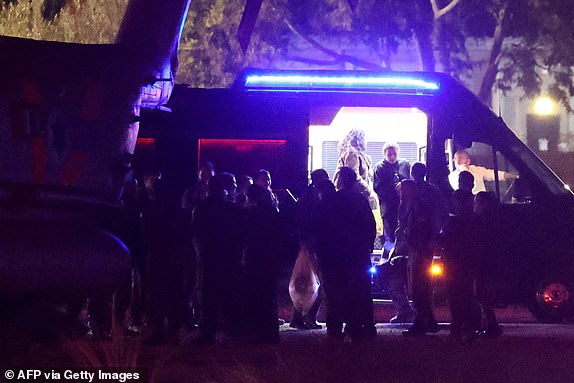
[528, 40]
[78, 21]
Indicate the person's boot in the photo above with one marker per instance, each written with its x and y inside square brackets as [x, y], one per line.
[398, 293]
[491, 327]
[310, 318]
[298, 321]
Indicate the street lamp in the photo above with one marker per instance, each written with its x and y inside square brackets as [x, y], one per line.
[543, 125]
[545, 106]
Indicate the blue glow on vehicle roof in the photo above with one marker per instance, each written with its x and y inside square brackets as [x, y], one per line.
[329, 82]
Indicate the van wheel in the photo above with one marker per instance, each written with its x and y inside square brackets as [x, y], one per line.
[553, 301]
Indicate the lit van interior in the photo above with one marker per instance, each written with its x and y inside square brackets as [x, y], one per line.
[405, 126]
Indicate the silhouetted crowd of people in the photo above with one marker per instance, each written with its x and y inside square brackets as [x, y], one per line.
[211, 265]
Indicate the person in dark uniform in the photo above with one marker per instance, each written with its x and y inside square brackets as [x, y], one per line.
[388, 173]
[243, 183]
[394, 271]
[463, 239]
[346, 232]
[218, 246]
[485, 208]
[193, 195]
[261, 259]
[431, 196]
[417, 238]
[263, 179]
[190, 199]
[166, 264]
[230, 186]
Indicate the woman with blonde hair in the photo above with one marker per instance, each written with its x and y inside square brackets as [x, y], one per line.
[353, 154]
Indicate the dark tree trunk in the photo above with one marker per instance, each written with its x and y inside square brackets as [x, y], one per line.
[423, 26]
[485, 93]
[424, 39]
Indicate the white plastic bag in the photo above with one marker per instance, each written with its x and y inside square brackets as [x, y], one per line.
[304, 283]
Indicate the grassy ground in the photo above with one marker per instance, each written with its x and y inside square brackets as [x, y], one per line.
[309, 356]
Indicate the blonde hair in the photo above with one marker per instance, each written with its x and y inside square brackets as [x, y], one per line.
[354, 139]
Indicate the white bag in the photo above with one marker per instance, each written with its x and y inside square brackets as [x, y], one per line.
[304, 283]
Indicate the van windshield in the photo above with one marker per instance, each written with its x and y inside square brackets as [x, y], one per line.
[554, 184]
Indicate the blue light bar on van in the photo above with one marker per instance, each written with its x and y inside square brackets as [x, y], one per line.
[330, 83]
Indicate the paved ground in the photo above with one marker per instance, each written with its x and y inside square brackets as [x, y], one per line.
[384, 310]
[527, 352]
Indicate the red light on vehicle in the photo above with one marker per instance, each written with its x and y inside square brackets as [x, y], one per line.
[239, 142]
[240, 145]
[241, 154]
[145, 141]
[547, 298]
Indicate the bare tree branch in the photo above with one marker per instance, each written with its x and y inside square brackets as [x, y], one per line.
[438, 13]
[329, 52]
[312, 61]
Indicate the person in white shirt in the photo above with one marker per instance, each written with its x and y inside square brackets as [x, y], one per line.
[480, 173]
